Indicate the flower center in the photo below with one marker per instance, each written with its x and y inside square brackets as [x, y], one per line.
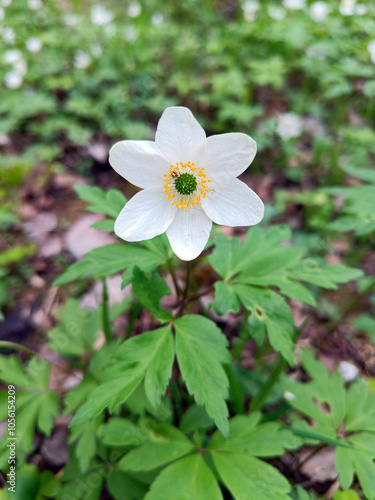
[185, 185]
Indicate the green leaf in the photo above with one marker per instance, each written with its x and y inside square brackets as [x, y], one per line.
[136, 359]
[189, 478]
[225, 299]
[346, 495]
[86, 446]
[149, 291]
[108, 260]
[201, 348]
[163, 444]
[122, 485]
[195, 417]
[271, 309]
[326, 277]
[110, 203]
[250, 478]
[121, 432]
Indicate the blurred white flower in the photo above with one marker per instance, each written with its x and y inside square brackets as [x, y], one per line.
[12, 56]
[96, 50]
[130, 34]
[371, 49]
[35, 4]
[100, 15]
[276, 12]
[348, 371]
[82, 59]
[319, 11]
[294, 4]
[8, 36]
[347, 7]
[20, 67]
[13, 80]
[34, 44]
[71, 20]
[289, 125]
[361, 9]
[289, 396]
[2, 14]
[157, 18]
[134, 9]
[6, 3]
[250, 8]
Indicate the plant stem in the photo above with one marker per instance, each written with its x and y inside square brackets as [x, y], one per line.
[187, 282]
[258, 401]
[235, 389]
[105, 314]
[174, 279]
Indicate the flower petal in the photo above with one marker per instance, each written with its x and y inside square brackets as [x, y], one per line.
[179, 136]
[189, 233]
[148, 214]
[139, 162]
[234, 205]
[228, 153]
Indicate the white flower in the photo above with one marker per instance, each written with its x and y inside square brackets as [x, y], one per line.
[347, 7]
[6, 3]
[361, 9]
[276, 12]
[35, 4]
[371, 49]
[134, 9]
[100, 15]
[82, 59]
[34, 44]
[289, 125]
[188, 181]
[8, 36]
[319, 11]
[12, 56]
[348, 371]
[294, 4]
[157, 18]
[250, 8]
[13, 80]
[20, 67]
[71, 20]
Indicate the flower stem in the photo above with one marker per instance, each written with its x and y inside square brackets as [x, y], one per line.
[187, 282]
[105, 314]
[174, 279]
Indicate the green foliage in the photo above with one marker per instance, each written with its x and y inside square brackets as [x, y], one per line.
[149, 291]
[349, 420]
[110, 203]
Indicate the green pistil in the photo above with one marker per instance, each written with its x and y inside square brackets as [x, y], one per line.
[185, 184]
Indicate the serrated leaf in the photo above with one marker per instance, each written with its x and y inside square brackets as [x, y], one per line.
[201, 348]
[121, 432]
[122, 485]
[271, 309]
[250, 478]
[149, 292]
[108, 260]
[189, 478]
[195, 417]
[225, 299]
[131, 363]
[110, 203]
[162, 445]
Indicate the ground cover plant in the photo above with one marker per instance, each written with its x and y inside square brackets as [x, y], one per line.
[140, 360]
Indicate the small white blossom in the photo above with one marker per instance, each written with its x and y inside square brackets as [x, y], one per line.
[34, 44]
[12, 56]
[130, 34]
[289, 396]
[100, 15]
[35, 4]
[294, 4]
[134, 9]
[82, 59]
[188, 181]
[20, 67]
[6, 3]
[71, 20]
[348, 371]
[157, 18]
[361, 9]
[371, 49]
[347, 7]
[319, 11]
[8, 36]
[276, 12]
[289, 126]
[250, 8]
[13, 80]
